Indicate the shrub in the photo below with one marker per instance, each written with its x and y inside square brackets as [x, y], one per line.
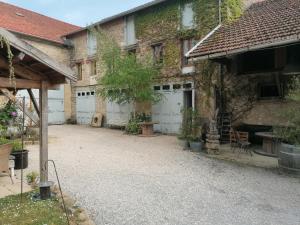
[32, 178]
[133, 126]
[17, 145]
[291, 132]
[4, 141]
[191, 125]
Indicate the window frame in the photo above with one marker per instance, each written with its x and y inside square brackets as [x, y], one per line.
[184, 61]
[79, 70]
[93, 68]
[270, 84]
[182, 10]
[158, 60]
[92, 44]
[130, 20]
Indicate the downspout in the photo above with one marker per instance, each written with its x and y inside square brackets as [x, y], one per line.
[222, 103]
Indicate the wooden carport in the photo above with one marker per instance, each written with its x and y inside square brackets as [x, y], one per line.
[33, 69]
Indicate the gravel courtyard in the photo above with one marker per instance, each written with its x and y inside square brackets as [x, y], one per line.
[128, 180]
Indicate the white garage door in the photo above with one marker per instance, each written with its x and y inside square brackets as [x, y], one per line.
[56, 107]
[85, 106]
[117, 114]
[168, 111]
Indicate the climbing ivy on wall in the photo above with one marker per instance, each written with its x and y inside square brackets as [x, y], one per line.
[163, 23]
[4, 43]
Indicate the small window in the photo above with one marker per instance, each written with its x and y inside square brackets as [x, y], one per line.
[158, 53]
[78, 94]
[93, 68]
[269, 91]
[130, 37]
[187, 86]
[92, 93]
[187, 16]
[157, 88]
[79, 71]
[91, 43]
[88, 93]
[83, 94]
[166, 87]
[186, 46]
[176, 86]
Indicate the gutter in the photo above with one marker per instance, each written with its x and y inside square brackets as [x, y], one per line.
[204, 39]
[294, 39]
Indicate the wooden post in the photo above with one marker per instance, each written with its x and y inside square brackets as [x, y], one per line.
[43, 132]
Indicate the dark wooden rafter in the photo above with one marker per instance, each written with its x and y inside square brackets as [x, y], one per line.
[23, 84]
[20, 70]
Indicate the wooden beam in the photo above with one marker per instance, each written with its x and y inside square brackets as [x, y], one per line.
[34, 102]
[22, 71]
[19, 83]
[43, 132]
[19, 104]
[24, 84]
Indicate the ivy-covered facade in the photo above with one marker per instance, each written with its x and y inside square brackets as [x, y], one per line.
[163, 32]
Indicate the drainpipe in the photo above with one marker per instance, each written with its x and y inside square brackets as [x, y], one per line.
[220, 11]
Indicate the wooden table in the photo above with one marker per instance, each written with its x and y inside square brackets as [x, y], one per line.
[271, 143]
[147, 128]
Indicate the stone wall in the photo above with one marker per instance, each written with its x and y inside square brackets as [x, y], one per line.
[79, 54]
[61, 54]
[245, 104]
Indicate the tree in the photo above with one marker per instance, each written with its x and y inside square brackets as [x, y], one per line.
[126, 79]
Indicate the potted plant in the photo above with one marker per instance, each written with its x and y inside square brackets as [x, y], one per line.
[185, 130]
[183, 141]
[21, 155]
[190, 132]
[289, 135]
[195, 143]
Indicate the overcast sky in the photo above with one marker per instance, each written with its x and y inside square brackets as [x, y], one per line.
[77, 12]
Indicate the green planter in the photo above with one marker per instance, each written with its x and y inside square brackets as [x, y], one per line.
[196, 146]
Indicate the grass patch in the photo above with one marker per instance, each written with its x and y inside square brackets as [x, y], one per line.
[30, 212]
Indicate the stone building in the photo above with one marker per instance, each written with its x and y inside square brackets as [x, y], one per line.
[45, 34]
[260, 55]
[165, 30]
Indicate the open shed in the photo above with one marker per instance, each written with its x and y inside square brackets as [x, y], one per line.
[33, 69]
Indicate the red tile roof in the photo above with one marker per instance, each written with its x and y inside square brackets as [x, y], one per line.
[26, 22]
[272, 22]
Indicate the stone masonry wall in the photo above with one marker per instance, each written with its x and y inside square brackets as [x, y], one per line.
[80, 54]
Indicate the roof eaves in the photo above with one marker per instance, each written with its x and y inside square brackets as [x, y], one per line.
[37, 54]
[288, 40]
[119, 15]
[37, 36]
[203, 39]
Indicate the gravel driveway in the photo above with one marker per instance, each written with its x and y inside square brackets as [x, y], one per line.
[127, 180]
